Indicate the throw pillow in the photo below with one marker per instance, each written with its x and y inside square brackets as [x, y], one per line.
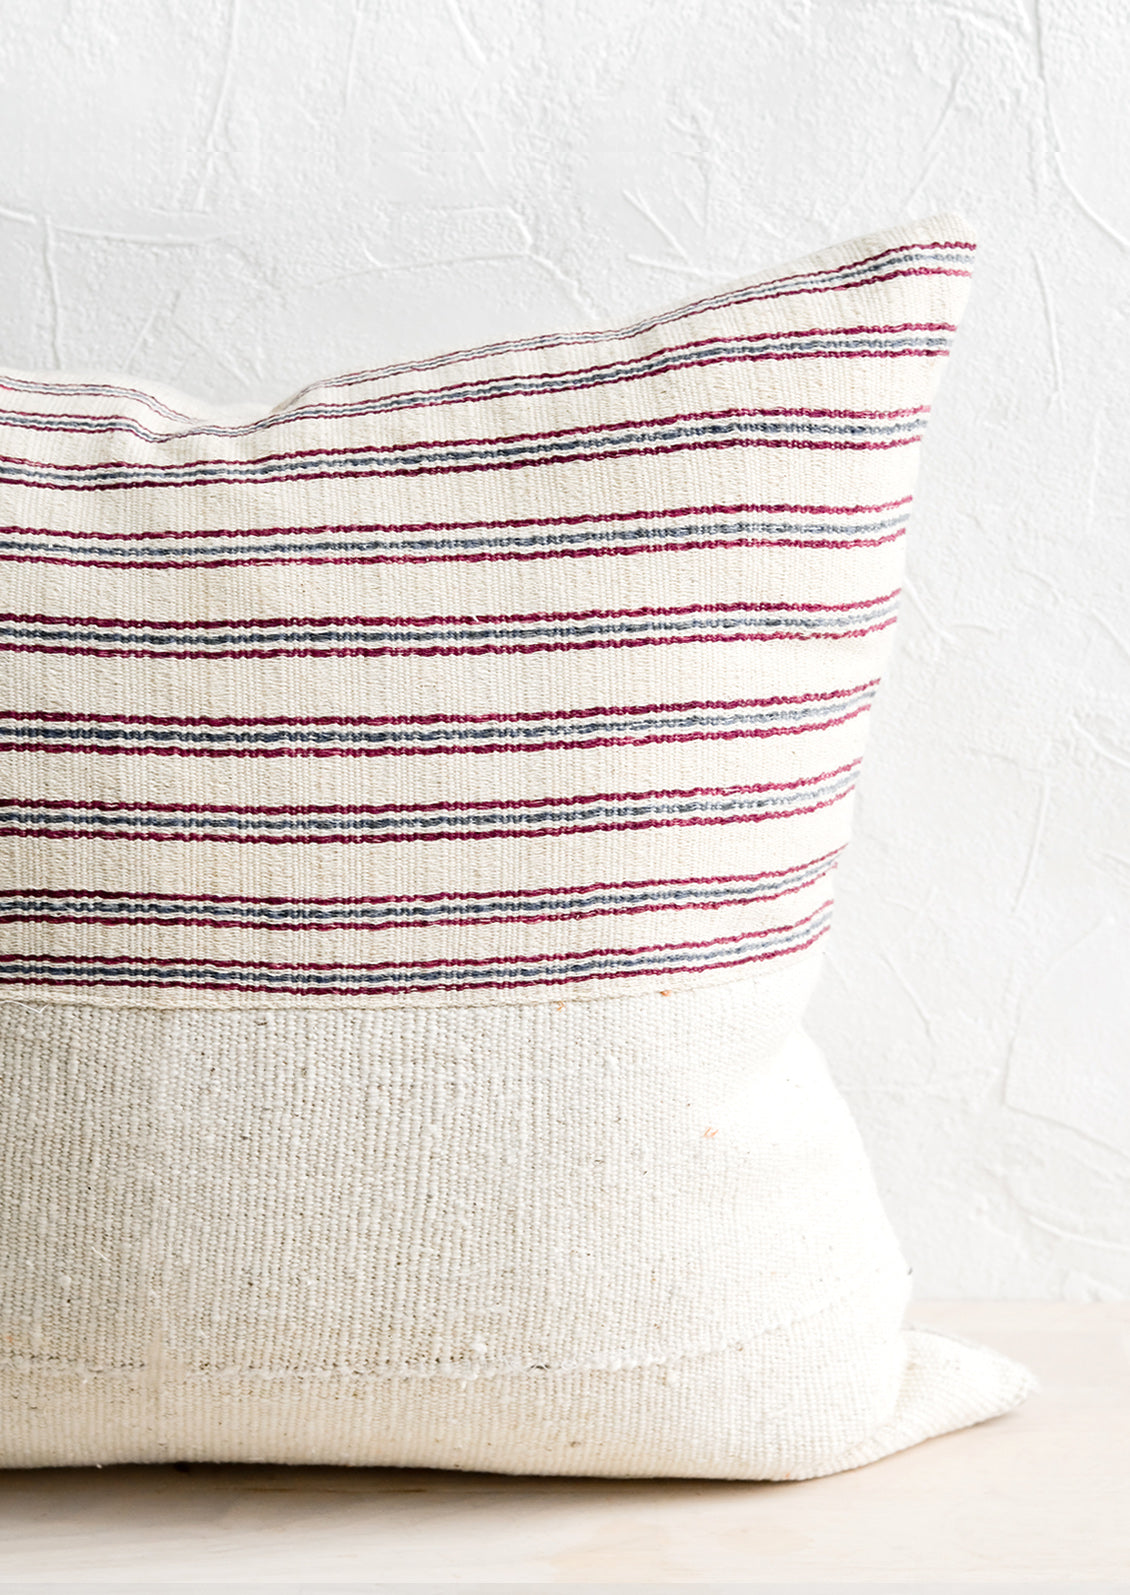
[420, 809]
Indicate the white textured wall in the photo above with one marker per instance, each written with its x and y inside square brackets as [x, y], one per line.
[236, 196]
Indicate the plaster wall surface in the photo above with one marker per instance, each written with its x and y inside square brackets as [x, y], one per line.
[238, 196]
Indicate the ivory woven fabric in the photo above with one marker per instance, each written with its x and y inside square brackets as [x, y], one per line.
[636, 1235]
[419, 806]
[537, 670]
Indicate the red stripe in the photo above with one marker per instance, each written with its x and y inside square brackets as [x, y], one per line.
[558, 432]
[812, 873]
[432, 836]
[585, 745]
[58, 716]
[430, 963]
[479, 985]
[445, 651]
[437, 559]
[431, 470]
[498, 834]
[442, 559]
[438, 922]
[534, 617]
[23, 418]
[431, 808]
[825, 859]
[516, 917]
[357, 529]
[426, 963]
[456, 393]
[485, 556]
[433, 395]
[92, 834]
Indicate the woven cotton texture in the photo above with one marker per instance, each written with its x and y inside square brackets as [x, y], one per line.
[631, 1236]
[419, 814]
[542, 669]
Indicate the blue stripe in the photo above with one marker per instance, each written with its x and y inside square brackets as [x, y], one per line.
[513, 735]
[344, 824]
[639, 537]
[331, 639]
[465, 456]
[380, 978]
[345, 913]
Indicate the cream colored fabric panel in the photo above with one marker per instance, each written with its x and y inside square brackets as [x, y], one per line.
[722, 1415]
[384, 1238]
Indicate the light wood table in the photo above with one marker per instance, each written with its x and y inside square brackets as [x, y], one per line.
[1038, 1498]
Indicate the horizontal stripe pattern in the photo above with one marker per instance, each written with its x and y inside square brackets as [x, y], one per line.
[290, 631]
[462, 975]
[806, 427]
[638, 532]
[586, 445]
[601, 900]
[323, 737]
[512, 818]
[360, 636]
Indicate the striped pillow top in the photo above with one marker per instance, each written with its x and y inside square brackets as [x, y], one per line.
[535, 670]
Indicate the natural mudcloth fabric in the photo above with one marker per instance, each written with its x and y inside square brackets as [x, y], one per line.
[420, 807]
[636, 1235]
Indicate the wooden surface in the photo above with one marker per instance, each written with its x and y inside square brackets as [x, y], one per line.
[1040, 1497]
